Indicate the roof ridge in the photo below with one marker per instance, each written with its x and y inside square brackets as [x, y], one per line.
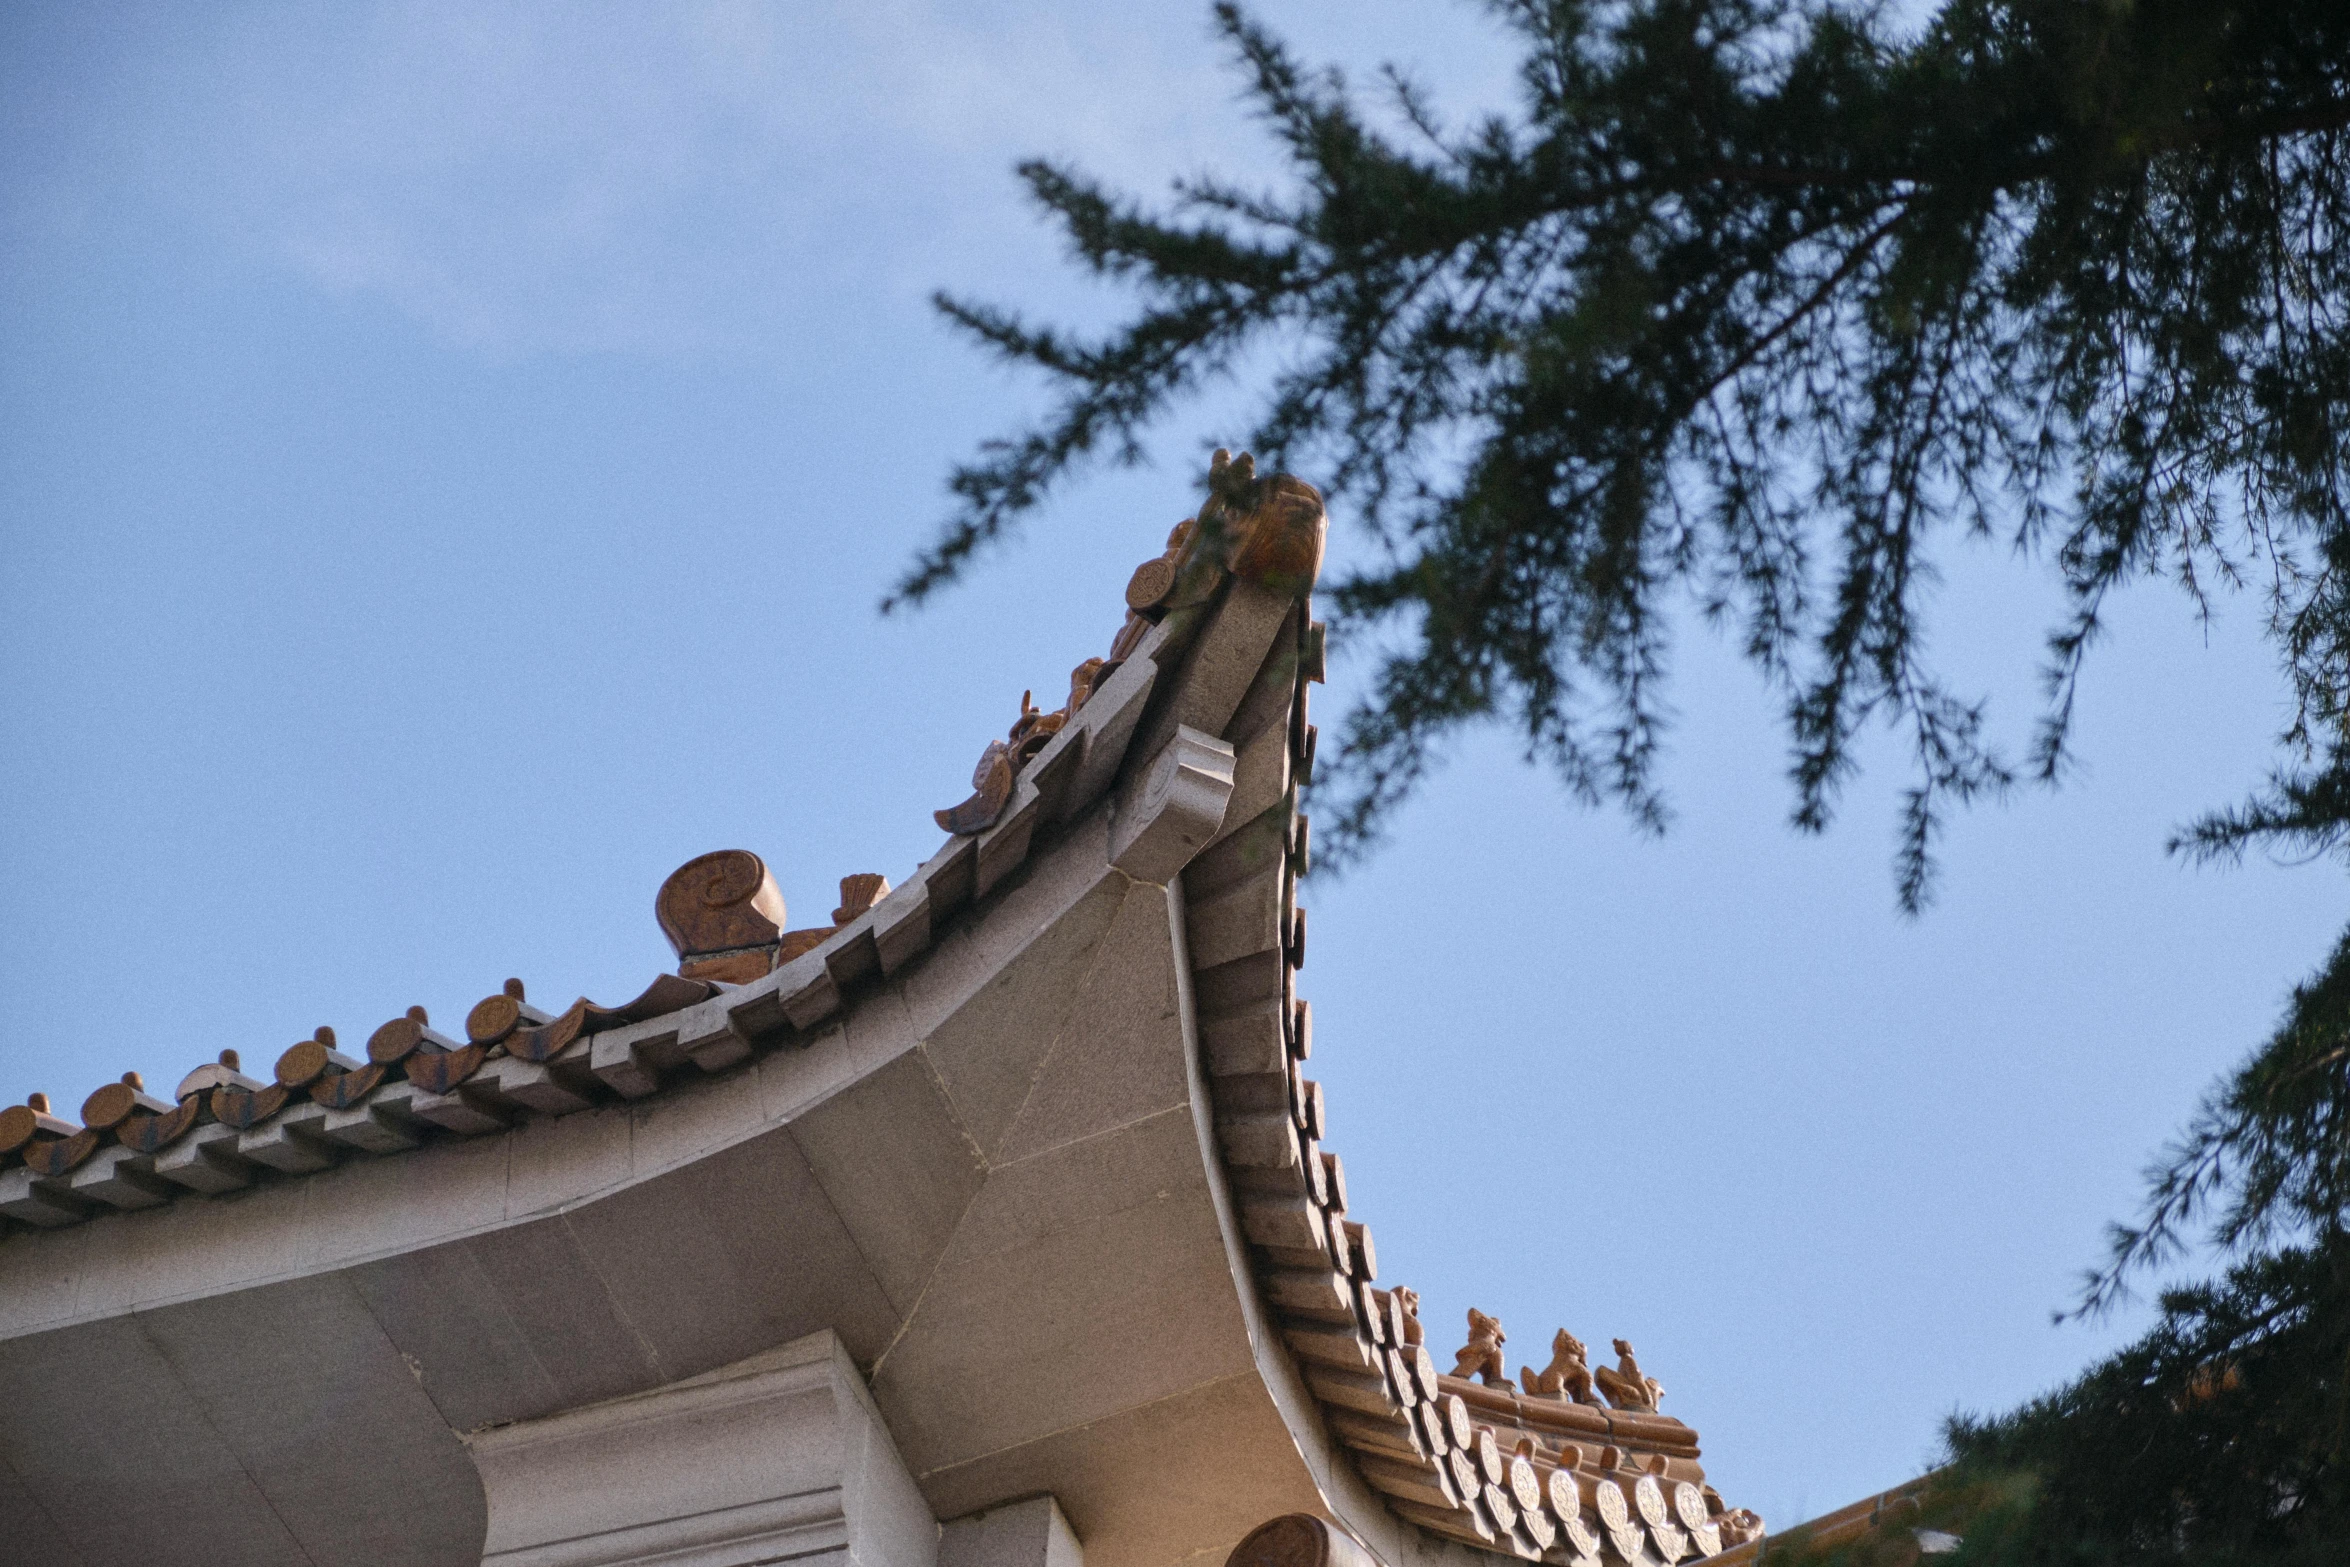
[744, 984]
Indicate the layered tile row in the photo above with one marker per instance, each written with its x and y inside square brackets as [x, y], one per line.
[224, 1129]
[1534, 1476]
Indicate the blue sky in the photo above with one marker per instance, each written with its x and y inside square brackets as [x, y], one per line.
[449, 459]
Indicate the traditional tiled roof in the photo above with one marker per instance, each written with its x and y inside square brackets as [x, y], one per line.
[1900, 1518]
[1224, 613]
[1553, 1474]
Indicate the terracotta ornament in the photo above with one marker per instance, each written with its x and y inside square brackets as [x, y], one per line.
[1624, 1386]
[1738, 1526]
[1567, 1376]
[859, 893]
[110, 1106]
[1409, 1302]
[667, 993]
[1269, 531]
[1481, 1356]
[1085, 679]
[991, 784]
[495, 1017]
[1153, 582]
[1281, 536]
[438, 1071]
[1032, 729]
[2208, 1381]
[24, 1126]
[719, 902]
[1001, 763]
[331, 1078]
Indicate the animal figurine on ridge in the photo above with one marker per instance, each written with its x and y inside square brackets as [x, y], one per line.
[1481, 1356]
[1568, 1375]
[1625, 1386]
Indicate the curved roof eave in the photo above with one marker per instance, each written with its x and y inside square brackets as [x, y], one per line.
[1213, 659]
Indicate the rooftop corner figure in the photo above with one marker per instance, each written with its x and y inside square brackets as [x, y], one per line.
[1481, 1356]
[1625, 1386]
[1268, 530]
[1567, 1376]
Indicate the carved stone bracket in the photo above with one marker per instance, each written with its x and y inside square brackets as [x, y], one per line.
[780, 1457]
[1176, 810]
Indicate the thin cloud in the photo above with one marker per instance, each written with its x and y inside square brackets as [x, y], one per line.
[666, 180]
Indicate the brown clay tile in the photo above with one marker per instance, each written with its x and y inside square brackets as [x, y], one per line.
[235, 1105]
[718, 902]
[1130, 635]
[439, 1071]
[342, 1090]
[991, 784]
[21, 1124]
[148, 1133]
[551, 1038]
[859, 893]
[54, 1156]
[204, 1079]
[405, 1036]
[732, 968]
[304, 1063]
[494, 1018]
[109, 1106]
[1379, 1434]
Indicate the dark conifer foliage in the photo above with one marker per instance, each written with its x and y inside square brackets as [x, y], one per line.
[1754, 305]
[1759, 306]
[2223, 1435]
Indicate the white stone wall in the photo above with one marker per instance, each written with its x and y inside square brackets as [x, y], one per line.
[782, 1456]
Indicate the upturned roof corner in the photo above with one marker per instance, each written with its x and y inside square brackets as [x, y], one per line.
[1176, 760]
